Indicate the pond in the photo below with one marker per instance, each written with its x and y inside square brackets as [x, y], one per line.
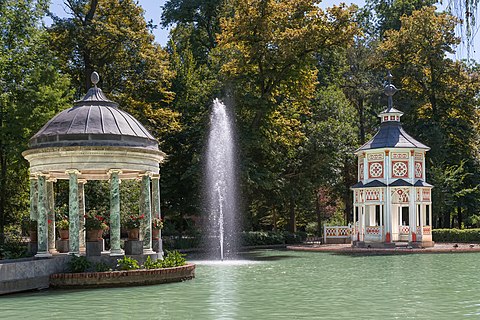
[281, 285]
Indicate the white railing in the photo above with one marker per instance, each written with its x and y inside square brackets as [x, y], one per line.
[373, 230]
[403, 230]
[336, 232]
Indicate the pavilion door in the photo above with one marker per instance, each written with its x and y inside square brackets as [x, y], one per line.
[404, 218]
[403, 223]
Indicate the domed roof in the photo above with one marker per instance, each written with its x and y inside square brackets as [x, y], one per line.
[94, 121]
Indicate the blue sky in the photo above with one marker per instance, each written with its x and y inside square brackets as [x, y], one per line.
[153, 11]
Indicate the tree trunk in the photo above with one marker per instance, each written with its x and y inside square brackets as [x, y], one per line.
[292, 226]
[361, 114]
[319, 215]
[446, 220]
[274, 219]
[459, 216]
[3, 183]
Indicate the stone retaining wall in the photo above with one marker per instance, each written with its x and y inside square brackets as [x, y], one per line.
[29, 274]
[122, 278]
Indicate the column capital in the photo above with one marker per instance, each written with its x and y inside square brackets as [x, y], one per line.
[33, 176]
[112, 171]
[72, 171]
[387, 152]
[82, 181]
[146, 173]
[155, 176]
[52, 179]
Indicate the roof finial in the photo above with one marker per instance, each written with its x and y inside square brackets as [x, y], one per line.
[390, 90]
[95, 78]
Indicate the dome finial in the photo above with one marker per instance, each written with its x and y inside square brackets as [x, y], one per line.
[95, 78]
[390, 90]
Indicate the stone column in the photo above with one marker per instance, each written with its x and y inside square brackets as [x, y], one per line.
[115, 249]
[73, 220]
[51, 214]
[42, 222]
[147, 211]
[81, 213]
[157, 211]
[34, 197]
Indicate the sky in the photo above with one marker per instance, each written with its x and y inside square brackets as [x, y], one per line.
[153, 11]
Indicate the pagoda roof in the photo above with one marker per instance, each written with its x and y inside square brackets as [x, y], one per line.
[400, 183]
[421, 183]
[392, 135]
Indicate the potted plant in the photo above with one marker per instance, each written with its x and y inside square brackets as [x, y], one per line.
[157, 225]
[95, 225]
[132, 223]
[62, 227]
[62, 223]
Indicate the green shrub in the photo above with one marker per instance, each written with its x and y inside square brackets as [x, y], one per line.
[456, 235]
[174, 259]
[78, 264]
[127, 263]
[262, 238]
[102, 267]
[14, 246]
[150, 264]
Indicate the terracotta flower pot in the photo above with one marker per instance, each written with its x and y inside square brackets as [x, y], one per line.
[94, 235]
[64, 234]
[155, 234]
[133, 234]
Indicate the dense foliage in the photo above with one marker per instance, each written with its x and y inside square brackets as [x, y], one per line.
[456, 235]
[304, 82]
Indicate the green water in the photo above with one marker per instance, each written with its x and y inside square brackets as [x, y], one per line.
[282, 285]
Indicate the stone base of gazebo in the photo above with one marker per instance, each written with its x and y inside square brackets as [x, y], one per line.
[366, 244]
[392, 245]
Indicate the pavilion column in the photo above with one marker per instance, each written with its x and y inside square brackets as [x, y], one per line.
[388, 200]
[42, 222]
[156, 211]
[51, 214]
[146, 208]
[81, 213]
[73, 220]
[115, 249]
[412, 210]
[34, 197]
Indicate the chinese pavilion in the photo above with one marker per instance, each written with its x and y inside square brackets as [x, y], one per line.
[392, 200]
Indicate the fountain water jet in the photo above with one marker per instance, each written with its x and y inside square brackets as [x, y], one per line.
[221, 183]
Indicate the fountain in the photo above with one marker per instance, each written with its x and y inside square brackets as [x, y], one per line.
[221, 183]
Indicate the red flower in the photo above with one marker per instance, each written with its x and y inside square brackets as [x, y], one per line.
[49, 221]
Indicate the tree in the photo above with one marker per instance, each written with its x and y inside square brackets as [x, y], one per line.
[268, 51]
[200, 18]
[32, 92]
[113, 38]
[440, 96]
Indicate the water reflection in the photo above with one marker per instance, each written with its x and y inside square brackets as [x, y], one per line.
[282, 285]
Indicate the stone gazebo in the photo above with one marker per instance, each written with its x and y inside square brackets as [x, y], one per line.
[93, 140]
[392, 200]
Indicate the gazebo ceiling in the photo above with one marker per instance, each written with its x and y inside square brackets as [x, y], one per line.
[93, 137]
